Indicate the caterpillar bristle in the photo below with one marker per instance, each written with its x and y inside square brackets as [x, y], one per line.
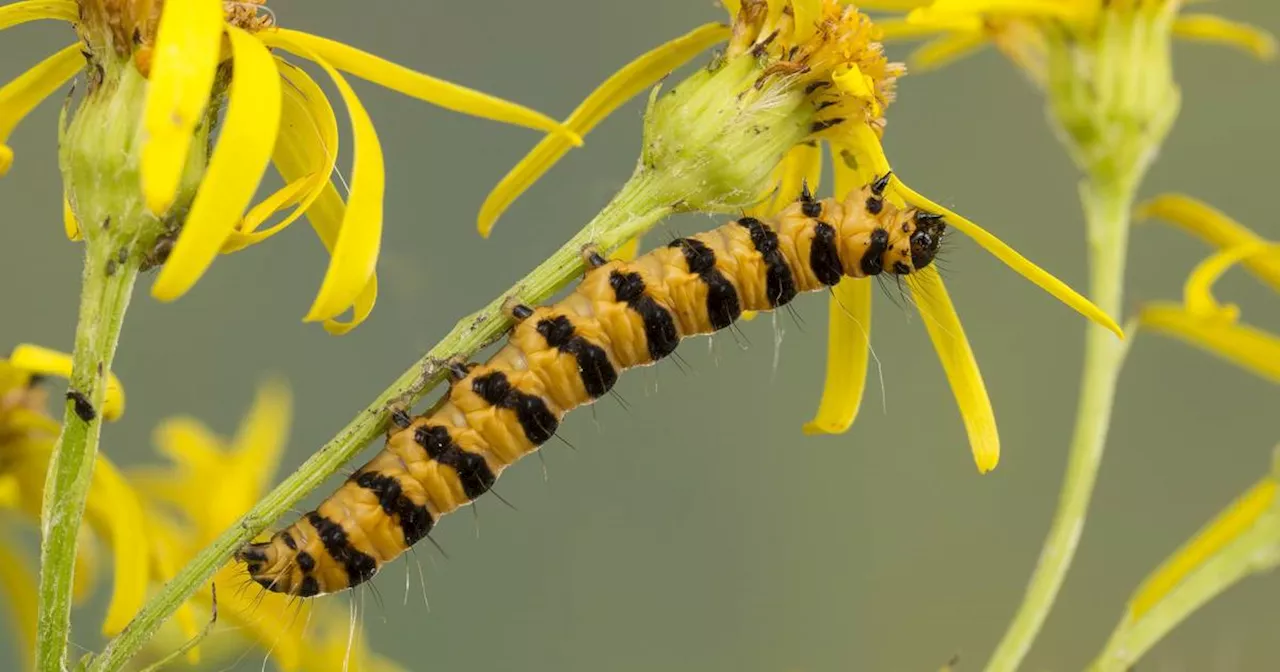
[561, 356]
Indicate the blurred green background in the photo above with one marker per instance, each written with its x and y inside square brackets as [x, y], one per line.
[700, 530]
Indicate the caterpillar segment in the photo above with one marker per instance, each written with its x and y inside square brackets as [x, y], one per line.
[561, 356]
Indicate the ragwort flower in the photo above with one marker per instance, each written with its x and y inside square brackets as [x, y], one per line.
[141, 151]
[794, 75]
[1200, 319]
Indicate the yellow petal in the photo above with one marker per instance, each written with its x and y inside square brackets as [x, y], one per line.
[1213, 227]
[1209, 28]
[1230, 524]
[801, 165]
[69, 224]
[20, 96]
[732, 7]
[18, 583]
[114, 511]
[355, 251]
[263, 435]
[183, 65]
[235, 168]
[633, 78]
[1248, 347]
[947, 49]
[1198, 290]
[309, 134]
[901, 29]
[807, 13]
[891, 5]
[424, 87]
[848, 348]
[16, 13]
[37, 359]
[1013, 260]
[627, 251]
[940, 319]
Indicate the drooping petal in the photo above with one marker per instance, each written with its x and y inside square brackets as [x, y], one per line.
[627, 251]
[1248, 347]
[16, 13]
[20, 96]
[37, 359]
[940, 319]
[623, 85]
[114, 511]
[1209, 28]
[18, 585]
[1228, 526]
[1215, 228]
[732, 7]
[800, 166]
[308, 132]
[947, 49]
[424, 87]
[355, 251]
[848, 350]
[1013, 260]
[1197, 293]
[184, 62]
[235, 168]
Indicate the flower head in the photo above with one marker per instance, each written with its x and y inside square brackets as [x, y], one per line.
[1200, 319]
[142, 159]
[747, 132]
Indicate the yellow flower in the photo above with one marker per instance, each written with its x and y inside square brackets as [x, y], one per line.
[177, 60]
[1200, 319]
[209, 484]
[832, 50]
[1018, 28]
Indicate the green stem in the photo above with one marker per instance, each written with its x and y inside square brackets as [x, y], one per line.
[1107, 205]
[108, 284]
[643, 201]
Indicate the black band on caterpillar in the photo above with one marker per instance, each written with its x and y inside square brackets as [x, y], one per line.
[622, 315]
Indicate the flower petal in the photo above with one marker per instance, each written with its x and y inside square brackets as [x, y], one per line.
[1248, 347]
[37, 359]
[308, 133]
[1013, 260]
[1209, 28]
[355, 250]
[1197, 293]
[801, 165]
[183, 65]
[953, 350]
[892, 30]
[114, 511]
[16, 13]
[1213, 227]
[235, 168]
[947, 49]
[18, 583]
[424, 87]
[807, 13]
[69, 224]
[732, 7]
[848, 350]
[20, 96]
[633, 78]
[1229, 525]
[261, 439]
[628, 250]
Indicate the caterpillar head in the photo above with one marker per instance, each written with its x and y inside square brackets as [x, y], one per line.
[929, 229]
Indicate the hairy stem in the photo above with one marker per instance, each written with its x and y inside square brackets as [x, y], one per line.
[1107, 207]
[108, 285]
[643, 201]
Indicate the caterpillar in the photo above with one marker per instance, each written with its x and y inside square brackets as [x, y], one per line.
[560, 356]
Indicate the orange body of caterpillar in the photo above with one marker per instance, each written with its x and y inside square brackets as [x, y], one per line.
[622, 315]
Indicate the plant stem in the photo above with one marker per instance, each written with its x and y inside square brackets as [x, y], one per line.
[643, 201]
[1107, 205]
[108, 284]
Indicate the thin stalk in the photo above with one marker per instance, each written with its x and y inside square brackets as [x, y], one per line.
[646, 199]
[1107, 205]
[108, 285]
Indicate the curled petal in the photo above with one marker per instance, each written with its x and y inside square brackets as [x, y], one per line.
[308, 133]
[1248, 347]
[1209, 28]
[1228, 526]
[16, 13]
[359, 237]
[184, 62]
[424, 87]
[848, 348]
[1198, 290]
[633, 78]
[37, 359]
[20, 96]
[943, 325]
[235, 167]
[1213, 227]
[1023, 266]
